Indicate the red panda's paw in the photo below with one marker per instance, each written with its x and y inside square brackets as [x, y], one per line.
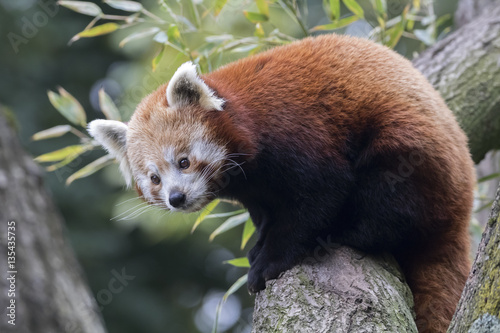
[256, 280]
[262, 270]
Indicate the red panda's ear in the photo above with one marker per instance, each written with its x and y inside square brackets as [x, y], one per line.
[186, 88]
[112, 135]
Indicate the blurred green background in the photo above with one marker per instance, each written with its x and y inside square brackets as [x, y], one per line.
[179, 278]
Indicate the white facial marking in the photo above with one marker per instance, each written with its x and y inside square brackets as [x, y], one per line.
[112, 135]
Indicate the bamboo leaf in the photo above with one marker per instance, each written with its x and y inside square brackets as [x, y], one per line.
[235, 212]
[488, 177]
[230, 223]
[173, 33]
[218, 39]
[91, 168]
[237, 285]
[102, 29]
[68, 106]
[128, 6]
[82, 7]
[255, 17]
[336, 25]
[53, 132]
[396, 31]
[259, 31]
[263, 7]
[61, 154]
[238, 262]
[335, 9]
[108, 107]
[381, 6]
[139, 35]
[156, 60]
[245, 48]
[208, 209]
[67, 160]
[424, 36]
[219, 4]
[248, 231]
[354, 7]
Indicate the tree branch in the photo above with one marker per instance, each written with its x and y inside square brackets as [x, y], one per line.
[340, 291]
[465, 69]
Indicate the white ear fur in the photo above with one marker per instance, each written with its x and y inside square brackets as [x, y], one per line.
[186, 87]
[112, 135]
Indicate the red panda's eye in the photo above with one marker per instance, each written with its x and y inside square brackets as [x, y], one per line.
[184, 163]
[155, 179]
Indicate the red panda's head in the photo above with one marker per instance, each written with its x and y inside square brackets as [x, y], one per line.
[169, 147]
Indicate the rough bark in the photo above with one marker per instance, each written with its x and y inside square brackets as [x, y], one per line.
[468, 10]
[479, 306]
[465, 69]
[50, 292]
[344, 291]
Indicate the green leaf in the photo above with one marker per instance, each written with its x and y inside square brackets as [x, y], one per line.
[173, 33]
[98, 30]
[238, 262]
[237, 285]
[255, 17]
[335, 9]
[248, 231]
[336, 25]
[488, 177]
[208, 209]
[441, 20]
[259, 31]
[354, 7]
[219, 4]
[68, 106]
[263, 7]
[91, 168]
[53, 132]
[218, 39]
[139, 35]
[82, 7]
[128, 6]
[235, 212]
[396, 31]
[108, 107]
[424, 36]
[61, 154]
[245, 48]
[381, 6]
[70, 158]
[156, 60]
[229, 224]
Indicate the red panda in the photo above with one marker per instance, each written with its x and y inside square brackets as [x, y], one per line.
[330, 135]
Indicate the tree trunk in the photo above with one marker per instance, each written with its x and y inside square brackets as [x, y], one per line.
[465, 69]
[468, 10]
[42, 285]
[479, 307]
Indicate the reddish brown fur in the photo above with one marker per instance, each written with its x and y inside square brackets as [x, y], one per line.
[328, 91]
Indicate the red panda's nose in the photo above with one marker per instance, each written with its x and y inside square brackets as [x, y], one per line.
[176, 198]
